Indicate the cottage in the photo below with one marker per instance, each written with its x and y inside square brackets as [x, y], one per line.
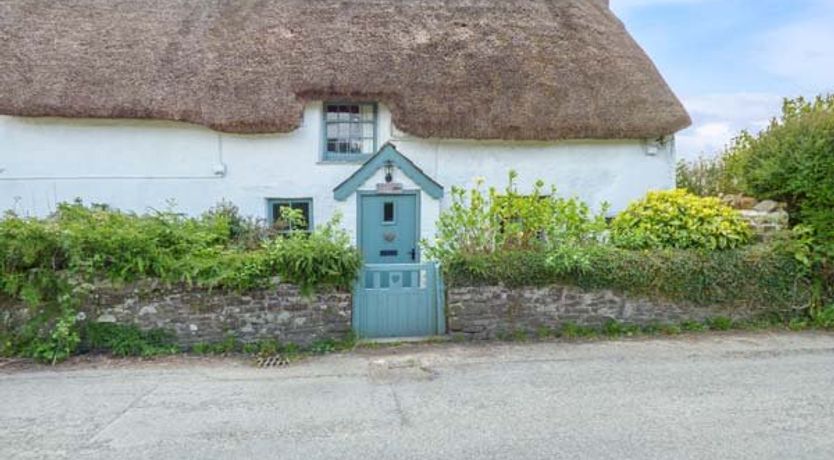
[373, 108]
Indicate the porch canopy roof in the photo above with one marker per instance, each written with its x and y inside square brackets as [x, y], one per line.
[388, 154]
[468, 69]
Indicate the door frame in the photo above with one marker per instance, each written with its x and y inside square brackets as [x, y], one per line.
[417, 210]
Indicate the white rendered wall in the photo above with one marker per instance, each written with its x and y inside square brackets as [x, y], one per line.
[142, 165]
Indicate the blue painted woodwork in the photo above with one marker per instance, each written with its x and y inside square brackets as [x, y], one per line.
[392, 241]
[387, 153]
[349, 157]
[399, 300]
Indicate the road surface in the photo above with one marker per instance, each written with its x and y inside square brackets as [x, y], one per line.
[751, 396]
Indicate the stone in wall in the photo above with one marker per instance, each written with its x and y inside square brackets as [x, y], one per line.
[485, 312]
[199, 315]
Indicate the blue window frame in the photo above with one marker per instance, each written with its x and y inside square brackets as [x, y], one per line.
[349, 131]
[304, 205]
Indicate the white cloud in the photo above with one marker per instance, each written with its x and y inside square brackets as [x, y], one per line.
[801, 52]
[717, 118]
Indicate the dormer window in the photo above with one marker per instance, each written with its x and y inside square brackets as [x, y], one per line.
[349, 131]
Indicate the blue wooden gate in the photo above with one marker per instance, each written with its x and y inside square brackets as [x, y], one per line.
[399, 300]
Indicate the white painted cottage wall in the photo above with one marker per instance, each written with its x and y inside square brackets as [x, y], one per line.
[141, 165]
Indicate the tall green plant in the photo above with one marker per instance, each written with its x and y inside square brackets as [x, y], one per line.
[324, 257]
[792, 161]
[706, 177]
[482, 221]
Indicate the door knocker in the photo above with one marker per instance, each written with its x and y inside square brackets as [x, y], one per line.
[389, 236]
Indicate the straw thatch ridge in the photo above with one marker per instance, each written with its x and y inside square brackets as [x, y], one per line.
[472, 69]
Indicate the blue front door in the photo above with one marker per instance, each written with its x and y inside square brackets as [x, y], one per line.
[395, 296]
[388, 228]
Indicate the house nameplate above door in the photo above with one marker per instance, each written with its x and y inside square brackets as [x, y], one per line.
[389, 187]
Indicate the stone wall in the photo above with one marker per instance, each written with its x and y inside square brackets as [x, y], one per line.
[198, 315]
[484, 312]
[765, 217]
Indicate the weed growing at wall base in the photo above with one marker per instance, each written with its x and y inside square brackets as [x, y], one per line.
[616, 330]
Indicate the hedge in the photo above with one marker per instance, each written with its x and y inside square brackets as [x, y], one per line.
[744, 277]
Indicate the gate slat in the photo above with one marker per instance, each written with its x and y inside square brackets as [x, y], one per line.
[410, 309]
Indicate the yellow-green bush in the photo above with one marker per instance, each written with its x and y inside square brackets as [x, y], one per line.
[680, 220]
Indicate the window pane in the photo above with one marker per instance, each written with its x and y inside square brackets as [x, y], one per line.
[367, 112]
[332, 113]
[349, 129]
[368, 146]
[332, 130]
[344, 130]
[388, 212]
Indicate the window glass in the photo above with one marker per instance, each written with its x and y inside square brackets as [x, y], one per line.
[388, 212]
[350, 131]
[304, 208]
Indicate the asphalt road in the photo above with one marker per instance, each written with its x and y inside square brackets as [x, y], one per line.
[735, 396]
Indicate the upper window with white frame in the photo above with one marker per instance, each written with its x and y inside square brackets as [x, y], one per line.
[349, 131]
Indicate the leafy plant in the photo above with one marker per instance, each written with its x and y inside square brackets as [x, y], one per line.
[127, 340]
[201, 348]
[486, 222]
[680, 220]
[692, 326]
[52, 264]
[62, 340]
[706, 177]
[748, 277]
[324, 257]
[720, 323]
[825, 318]
[792, 161]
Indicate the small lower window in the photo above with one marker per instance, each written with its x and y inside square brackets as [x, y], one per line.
[388, 212]
[297, 216]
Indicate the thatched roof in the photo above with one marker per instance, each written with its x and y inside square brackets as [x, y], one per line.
[476, 69]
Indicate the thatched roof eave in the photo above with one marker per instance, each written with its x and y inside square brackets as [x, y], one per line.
[466, 69]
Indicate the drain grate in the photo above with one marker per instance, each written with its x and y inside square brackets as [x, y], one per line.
[273, 361]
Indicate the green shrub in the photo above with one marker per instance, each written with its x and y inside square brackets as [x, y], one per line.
[61, 341]
[52, 264]
[325, 257]
[825, 318]
[720, 323]
[792, 161]
[126, 340]
[748, 277]
[692, 326]
[705, 177]
[483, 222]
[680, 220]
